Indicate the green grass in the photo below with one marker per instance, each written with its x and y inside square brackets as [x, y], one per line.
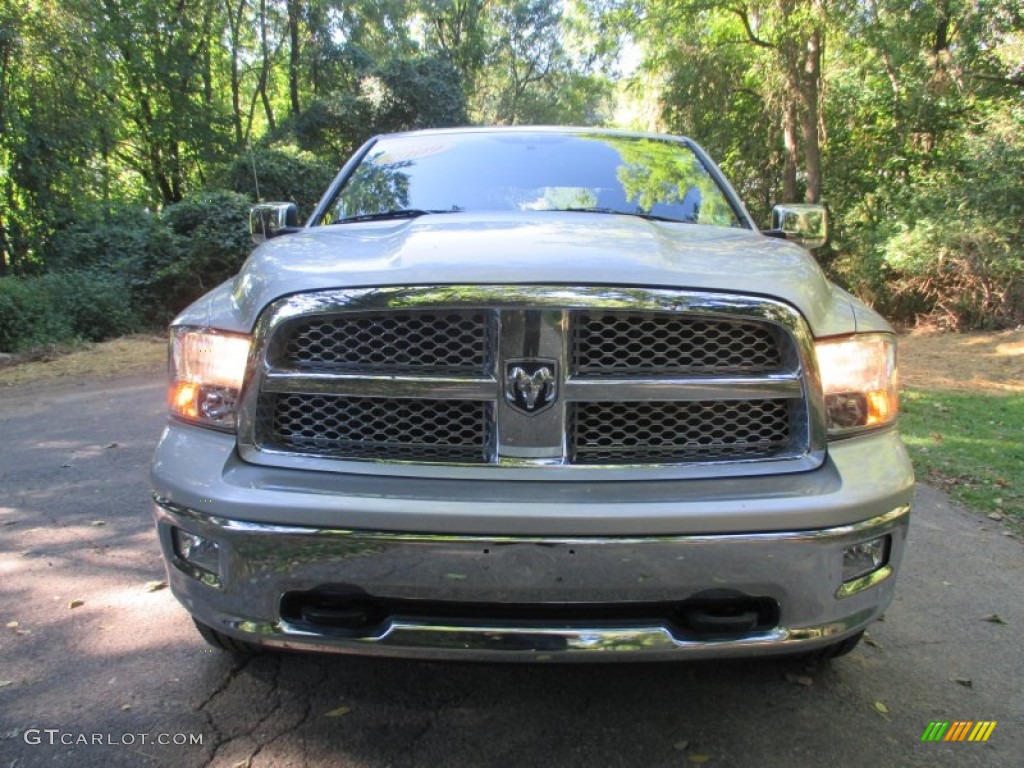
[971, 446]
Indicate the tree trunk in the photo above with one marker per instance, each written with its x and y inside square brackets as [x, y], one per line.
[294, 11]
[790, 145]
[811, 93]
[234, 35]
[4, 249]
[942, 29]
[812, 156]
[206, 45]
[177, 176]
[265, 69]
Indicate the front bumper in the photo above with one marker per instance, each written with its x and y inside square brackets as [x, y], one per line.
[800, 572]
[493, 544]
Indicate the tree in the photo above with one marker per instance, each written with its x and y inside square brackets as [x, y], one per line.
[457, 30]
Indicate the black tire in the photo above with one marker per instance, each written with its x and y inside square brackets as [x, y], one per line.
[835, 650]
[226, 642]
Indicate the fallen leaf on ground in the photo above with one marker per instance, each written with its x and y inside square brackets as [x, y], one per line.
[12, 625]
[125, 707]
[880, 708]
[995, 618]
[23, 631]
[997, 516]
[455, 576]
[98, 523]
[681, 745]
[112, 445]
[76, 604]
[699, 759]
[799, 679]
[871, 641]
[5, 683]
[155, 586]
[965, 682]
[338, 712]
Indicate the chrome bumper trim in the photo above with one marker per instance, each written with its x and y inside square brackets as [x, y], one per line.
[853, 529]
[404, 639]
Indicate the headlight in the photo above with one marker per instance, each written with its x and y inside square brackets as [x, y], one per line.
[207, 368]
[858, 375]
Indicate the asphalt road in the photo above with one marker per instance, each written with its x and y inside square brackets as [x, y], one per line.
[105, 682]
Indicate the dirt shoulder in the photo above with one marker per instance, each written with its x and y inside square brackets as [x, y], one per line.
[972, 363]
[129, 356]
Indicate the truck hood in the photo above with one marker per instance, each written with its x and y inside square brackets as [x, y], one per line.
[539, 248]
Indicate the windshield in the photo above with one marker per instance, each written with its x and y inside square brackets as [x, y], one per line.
[532, 171]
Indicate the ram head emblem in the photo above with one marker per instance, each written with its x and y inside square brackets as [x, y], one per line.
[530, 385]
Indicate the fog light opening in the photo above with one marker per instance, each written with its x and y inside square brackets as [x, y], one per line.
[865, 564]
[202, 554]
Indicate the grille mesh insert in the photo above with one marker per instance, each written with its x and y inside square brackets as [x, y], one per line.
[377, 427]
[654, 432]
[430, 342]
[655, 343]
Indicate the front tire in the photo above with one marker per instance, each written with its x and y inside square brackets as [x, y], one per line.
[225, 642]
[835, 650]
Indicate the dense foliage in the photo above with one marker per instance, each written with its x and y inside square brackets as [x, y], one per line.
[126, 127]
[905, 117]
[134, 134]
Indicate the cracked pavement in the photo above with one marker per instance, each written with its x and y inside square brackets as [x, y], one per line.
[125, 668]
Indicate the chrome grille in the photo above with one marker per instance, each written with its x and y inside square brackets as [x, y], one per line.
[660, 343]
[378, 428]
[659, 432]
[382, 380]
[410, 341]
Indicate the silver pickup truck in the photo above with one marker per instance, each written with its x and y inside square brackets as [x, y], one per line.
[532, 394]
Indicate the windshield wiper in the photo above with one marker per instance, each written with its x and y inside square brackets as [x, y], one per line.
[638, 213]
[398, 213]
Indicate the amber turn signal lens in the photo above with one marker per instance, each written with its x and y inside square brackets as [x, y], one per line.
[183, 399]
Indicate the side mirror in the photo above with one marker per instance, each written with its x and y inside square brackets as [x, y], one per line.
[268, 220]
[802, 223]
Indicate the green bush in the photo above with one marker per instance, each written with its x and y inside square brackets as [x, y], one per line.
[285, 173]
[115, 270]
[60, 307]
[27, 318]
[102, 236]
[962, 274]
[204, 242]
[97, 304]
